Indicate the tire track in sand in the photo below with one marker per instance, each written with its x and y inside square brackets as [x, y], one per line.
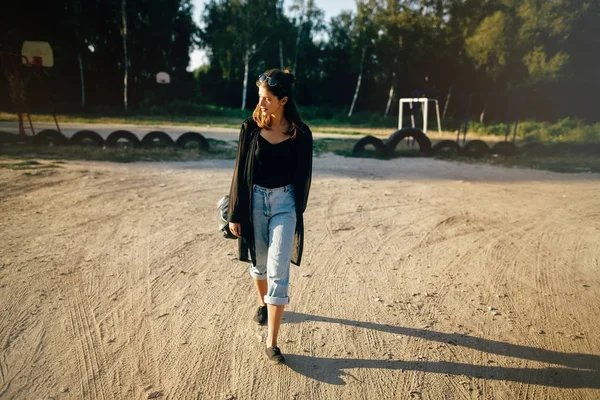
[89, 347]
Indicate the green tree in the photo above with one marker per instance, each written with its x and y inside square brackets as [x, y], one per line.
[364, 30]
[407, 37]
[335, 68]
[308, 20]
[235, 31]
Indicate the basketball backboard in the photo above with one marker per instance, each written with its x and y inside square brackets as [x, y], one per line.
[163, 77]
[37, 53]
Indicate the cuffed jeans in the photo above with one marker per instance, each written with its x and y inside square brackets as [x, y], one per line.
[274, 221]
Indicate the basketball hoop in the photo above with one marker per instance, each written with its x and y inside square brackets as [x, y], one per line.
[38, 54]
[163, 78]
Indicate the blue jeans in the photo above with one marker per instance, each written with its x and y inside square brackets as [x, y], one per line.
[274, 221]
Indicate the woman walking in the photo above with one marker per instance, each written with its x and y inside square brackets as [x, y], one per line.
[268, 196]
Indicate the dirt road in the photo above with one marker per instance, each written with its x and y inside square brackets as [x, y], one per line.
[421, 279]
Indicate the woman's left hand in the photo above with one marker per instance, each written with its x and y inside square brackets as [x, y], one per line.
[235, 228]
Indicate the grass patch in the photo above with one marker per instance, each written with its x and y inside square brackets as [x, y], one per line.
[29, 162]
[208, 121]
[341, 147]
[218, 149]
[566, 163]
[27, 165]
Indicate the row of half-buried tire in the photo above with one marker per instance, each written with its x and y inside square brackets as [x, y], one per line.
[479, 148]
[121, 138]
[473, 148]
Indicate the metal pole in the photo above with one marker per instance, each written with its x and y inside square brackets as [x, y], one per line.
[425, 105]
[164, 98]
[437, 109]
[19, 99]
[400, 115]
[467, 118]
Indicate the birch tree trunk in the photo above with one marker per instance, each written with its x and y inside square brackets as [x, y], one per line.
[81, 79]
[125, 58]
[297, 48]
[78, 45]
[482, 115]
[389, 102]
[246, 71]
[447, 102]
[362, 61]
[281, 56]
[391, 93]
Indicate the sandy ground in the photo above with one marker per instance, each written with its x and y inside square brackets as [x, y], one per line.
[421, 279]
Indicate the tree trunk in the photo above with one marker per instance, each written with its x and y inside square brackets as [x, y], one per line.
[281, 55]
[81, 79]
[391, 93]
[297, 47]
[246, 71]
[299, 34]
[447, 102]
[389, 102]
[125, 58]
[362, 61]
[482, 115]
[78, 45]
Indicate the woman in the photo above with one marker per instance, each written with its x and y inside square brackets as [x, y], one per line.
[268, 196]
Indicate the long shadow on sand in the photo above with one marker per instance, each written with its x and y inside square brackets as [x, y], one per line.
[582, 370]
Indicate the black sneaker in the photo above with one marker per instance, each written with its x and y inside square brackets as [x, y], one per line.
[274, 355]
[261, 315]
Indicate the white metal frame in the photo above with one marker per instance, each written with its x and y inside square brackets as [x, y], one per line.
[424, 110]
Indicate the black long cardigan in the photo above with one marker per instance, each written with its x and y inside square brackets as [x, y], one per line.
[240, 194]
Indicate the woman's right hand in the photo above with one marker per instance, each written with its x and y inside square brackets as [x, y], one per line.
[235, 228]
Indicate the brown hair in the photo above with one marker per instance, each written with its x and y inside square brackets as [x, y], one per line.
[284, 87]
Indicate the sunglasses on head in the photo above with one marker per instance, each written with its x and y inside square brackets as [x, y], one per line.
[271, 81]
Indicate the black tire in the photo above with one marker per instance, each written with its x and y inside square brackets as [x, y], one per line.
[15, 139]
[398, 136]
[559, 149]
[49, 138]
[505, 149]
[83, 138]
[475, 148]
[113, 139]
[580, 148]
[445, 147]
[192, 139]
[157, 139]
[533, 149]
[590, 149]
[381, 150]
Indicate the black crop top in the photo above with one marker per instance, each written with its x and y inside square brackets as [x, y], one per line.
[274, 164]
